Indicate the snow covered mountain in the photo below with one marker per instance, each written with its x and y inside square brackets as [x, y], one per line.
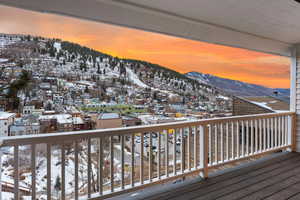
[237, 88]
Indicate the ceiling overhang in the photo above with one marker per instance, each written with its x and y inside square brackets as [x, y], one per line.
[131, 15]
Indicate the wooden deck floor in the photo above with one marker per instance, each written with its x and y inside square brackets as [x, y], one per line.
[272, 179]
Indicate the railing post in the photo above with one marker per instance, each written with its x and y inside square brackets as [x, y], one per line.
[293, 131]
[291, 123]
[204, 151]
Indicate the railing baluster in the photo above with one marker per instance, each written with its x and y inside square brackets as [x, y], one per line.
[112, 182]
[286, 130]
[159, 155]
[49, 171]
[227, 141]
[150, 158]
[232, 140]
[132, 160]
[243, 138]
[237, 139]
[256, 136]
[252, 137]
[279, 131]
[210, 145]
[167, 154]
[272, 132]
[122, 162]
[142, 159]
[289, 129]
[203, 145]
[174, 152]
[276, 131]
[260, 135]
[189, 144]
[89, 166]
[195, 147]
[76, 169]
[265, 134]
[63, 172]
[216, 143]
[268, 133]
[33, 175]
[282, 131]
[182, 150]
[222, 142]
[16, 172]
[101, 161]
[247, 137]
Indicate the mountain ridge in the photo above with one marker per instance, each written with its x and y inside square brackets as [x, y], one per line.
[238, 88]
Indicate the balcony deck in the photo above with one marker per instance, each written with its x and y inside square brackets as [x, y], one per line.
[272, 178]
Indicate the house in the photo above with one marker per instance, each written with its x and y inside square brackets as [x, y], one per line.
[21, 127]
[258, 105]
[78, 123]
[65, 122]
[27, 110]
[6, 120]
[108, 120]
[131, 121]
[48, 124]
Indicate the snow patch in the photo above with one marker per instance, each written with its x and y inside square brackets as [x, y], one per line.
[133, 77]
[57, 46]
[2, 60]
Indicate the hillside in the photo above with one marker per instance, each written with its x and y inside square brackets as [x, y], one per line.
[105, 77]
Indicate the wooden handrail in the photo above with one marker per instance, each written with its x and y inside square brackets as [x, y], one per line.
[57, 138]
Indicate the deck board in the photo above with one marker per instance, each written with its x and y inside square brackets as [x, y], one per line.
[216, 182]
[277, 178]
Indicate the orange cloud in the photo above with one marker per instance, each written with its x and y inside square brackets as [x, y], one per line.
[179, 54]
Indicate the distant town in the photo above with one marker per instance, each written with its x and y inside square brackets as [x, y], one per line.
[48, 85]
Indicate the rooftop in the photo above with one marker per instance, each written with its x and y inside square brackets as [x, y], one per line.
[109, 116]
[270, 103]
[5, 115]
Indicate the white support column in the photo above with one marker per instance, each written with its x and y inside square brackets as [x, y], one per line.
[295, 94]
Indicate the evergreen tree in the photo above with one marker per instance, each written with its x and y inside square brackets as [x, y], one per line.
[86, 90]
[57, 185]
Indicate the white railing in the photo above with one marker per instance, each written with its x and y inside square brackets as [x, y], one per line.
[105, 163]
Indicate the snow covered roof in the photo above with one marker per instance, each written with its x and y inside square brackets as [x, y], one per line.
[6, 115]
[109, 116]
[269, 103]
[61, 118]
[2, 60]
[77, 120]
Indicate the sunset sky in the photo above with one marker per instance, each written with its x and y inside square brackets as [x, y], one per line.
[179, 54]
